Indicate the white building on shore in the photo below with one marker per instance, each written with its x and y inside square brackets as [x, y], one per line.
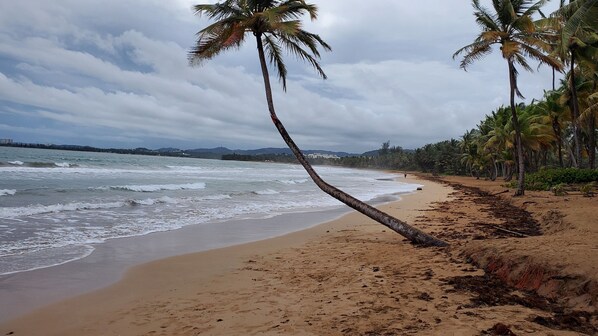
[322, 156]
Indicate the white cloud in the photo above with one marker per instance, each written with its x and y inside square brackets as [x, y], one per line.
[120, 68]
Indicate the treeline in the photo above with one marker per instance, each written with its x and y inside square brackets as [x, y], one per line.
[438, 158]
[78, 148]
[141, 151]
[282, 158]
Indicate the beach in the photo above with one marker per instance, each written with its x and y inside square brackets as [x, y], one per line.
[353, 276]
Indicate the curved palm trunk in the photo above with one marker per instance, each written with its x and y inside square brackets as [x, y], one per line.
[414, 235]
[520, 160]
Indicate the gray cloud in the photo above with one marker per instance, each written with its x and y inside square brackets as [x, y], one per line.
[118, 70]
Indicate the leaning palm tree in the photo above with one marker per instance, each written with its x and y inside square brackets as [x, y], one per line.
[276, 26]
[511, 27]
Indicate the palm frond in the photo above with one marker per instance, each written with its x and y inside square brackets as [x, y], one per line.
[293, 45]
[274, 52]
[534, 8]
[218, 11]
[473, 52]
[592, 108]
[215, 39]
[578, 15]
[541, 57]
[293, 9]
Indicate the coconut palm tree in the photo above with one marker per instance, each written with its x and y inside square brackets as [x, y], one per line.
[276, 26]
[536, 134]
[552, 109]
[511, 27]
[575, 23]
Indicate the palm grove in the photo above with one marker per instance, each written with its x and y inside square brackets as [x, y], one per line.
[509, 140]
[556, 131]
[560, 128]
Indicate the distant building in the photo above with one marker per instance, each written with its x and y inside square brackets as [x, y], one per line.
[323, 156]
[5, 141]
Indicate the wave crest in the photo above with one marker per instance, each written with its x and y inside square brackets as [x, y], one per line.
[7, 192]
[159, 187]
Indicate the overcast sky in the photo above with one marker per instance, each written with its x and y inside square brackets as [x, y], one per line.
[114, 73]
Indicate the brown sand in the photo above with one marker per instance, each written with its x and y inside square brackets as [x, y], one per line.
[354, 277]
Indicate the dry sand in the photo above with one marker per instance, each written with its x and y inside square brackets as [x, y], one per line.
[353, 276]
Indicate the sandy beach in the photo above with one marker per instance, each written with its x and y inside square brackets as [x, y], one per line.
[352, 276]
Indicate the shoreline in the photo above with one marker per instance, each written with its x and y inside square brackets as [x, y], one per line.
[352, 276]
[226, 259]
[23, 292]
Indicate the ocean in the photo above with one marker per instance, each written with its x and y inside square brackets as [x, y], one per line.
[57, 206]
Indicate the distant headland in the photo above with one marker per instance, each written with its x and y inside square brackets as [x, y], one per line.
[202, 153]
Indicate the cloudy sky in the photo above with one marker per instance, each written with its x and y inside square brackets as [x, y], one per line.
[114, 73]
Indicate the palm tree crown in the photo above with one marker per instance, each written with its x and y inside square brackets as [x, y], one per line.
[274, 23]
[511, 26]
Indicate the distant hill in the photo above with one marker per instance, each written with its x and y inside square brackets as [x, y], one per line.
[216, 153]
[204, 153]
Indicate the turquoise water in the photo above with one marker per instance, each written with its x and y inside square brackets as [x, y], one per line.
[55, 206]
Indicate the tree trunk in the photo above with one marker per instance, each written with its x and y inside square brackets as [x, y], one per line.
[592, 140]
[572, 161]
[592, 133]
[556, 128]
[495, 172]
[413, 234]
[521, 177]
[575, 112]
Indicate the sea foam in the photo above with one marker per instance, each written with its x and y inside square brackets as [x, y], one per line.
[158, 187]
[7, 192]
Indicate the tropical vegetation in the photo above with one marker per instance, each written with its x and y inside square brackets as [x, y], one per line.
[556, 131]
[510, 25]
[559, 130]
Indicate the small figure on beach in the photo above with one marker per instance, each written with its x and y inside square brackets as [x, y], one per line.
[405, 174]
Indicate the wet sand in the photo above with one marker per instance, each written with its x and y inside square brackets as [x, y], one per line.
[353, 276]
[23, 292]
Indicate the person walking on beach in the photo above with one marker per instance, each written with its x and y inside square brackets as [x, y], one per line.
[405, 174]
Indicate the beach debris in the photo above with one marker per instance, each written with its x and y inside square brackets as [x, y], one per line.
[501, 329]
[425, 297]
[375, 269]
[500, 192]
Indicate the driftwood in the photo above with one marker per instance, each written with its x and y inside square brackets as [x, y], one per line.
[519, 234]
[500, 192]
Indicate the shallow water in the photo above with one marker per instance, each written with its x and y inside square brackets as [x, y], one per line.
[57, 206]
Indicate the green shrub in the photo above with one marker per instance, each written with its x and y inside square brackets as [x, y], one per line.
[559, 189]
[548, 178]
[588, 189]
